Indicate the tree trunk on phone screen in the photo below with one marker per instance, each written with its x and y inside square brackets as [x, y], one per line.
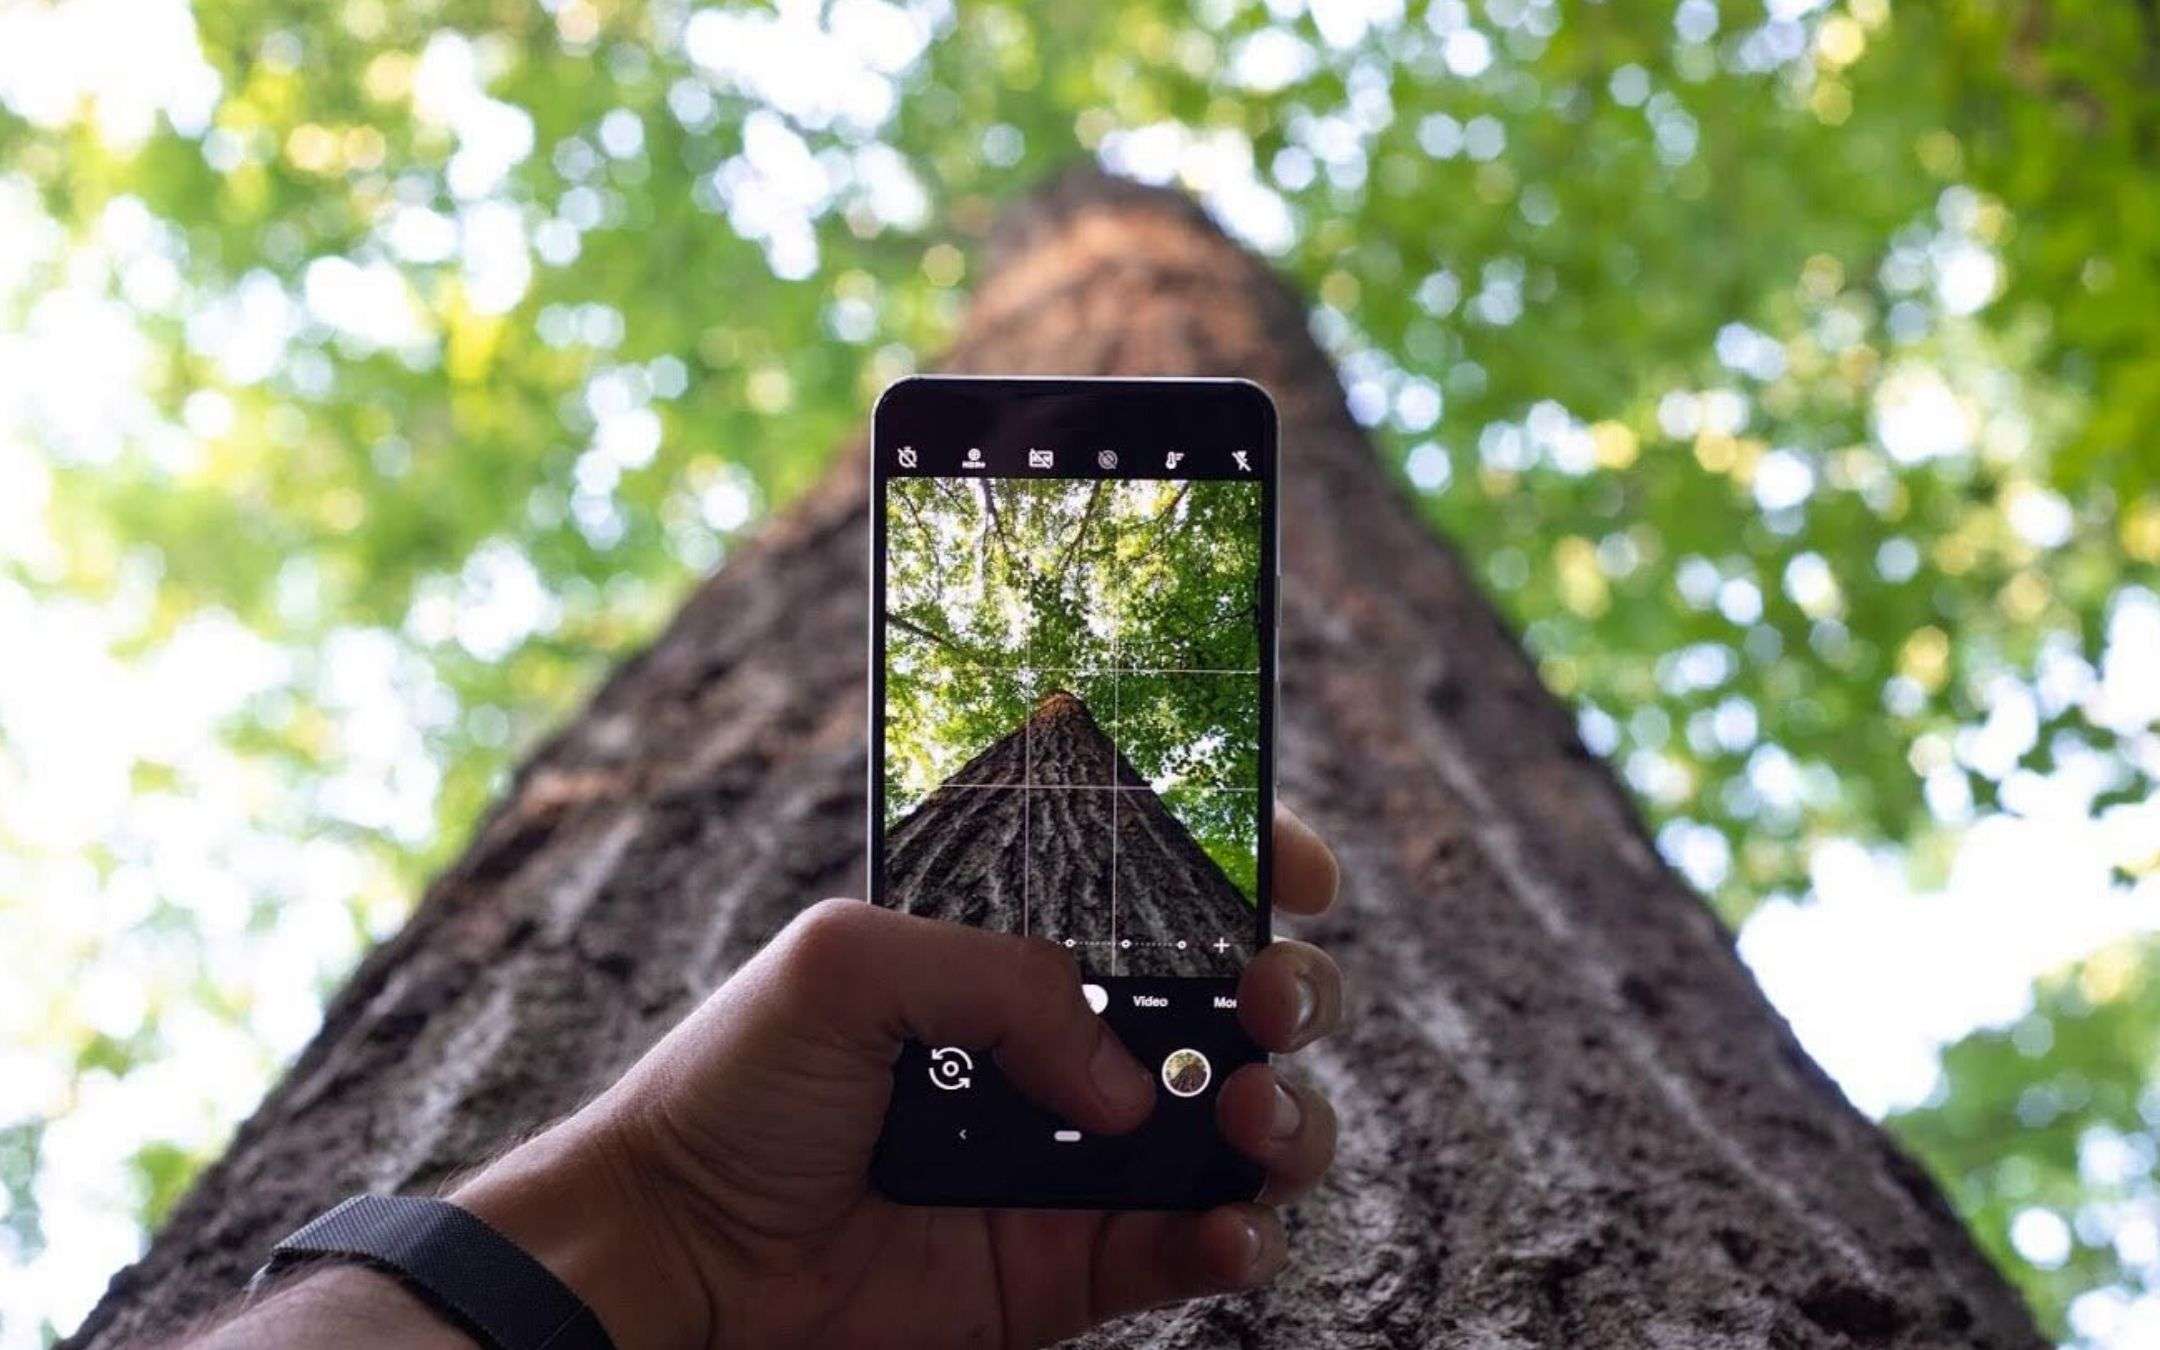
[1025, 837]
[1570, 1118]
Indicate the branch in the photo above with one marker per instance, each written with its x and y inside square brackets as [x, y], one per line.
[1087, 517]
[907, 503]
[1168, 513]
[983, 535]
[993, 523]
[919, 630]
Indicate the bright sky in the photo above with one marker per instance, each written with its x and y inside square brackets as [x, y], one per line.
[1875, 977]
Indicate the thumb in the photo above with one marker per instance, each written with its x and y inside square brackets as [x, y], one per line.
[872, 977]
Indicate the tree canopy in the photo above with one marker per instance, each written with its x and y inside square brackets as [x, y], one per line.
[380, 373]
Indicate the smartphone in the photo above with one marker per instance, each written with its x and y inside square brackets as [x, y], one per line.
[1072, 735]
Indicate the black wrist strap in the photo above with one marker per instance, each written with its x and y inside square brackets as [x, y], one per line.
[480, 1280]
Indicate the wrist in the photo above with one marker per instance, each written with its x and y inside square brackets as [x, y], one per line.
[576, 1201]
[334, 1303]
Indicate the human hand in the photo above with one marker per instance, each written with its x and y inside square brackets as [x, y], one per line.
[723, 1182]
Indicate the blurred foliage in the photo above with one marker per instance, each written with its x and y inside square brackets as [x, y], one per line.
[2049, 1132]
[18, 1175]
[1784, 371]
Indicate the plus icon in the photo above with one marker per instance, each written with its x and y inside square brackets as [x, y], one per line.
[1222, 944]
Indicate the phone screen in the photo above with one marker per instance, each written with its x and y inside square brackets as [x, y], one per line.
[1072, 720]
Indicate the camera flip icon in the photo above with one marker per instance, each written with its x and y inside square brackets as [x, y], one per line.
[951, 1068]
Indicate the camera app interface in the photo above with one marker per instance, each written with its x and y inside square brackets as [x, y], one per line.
[1071, 729]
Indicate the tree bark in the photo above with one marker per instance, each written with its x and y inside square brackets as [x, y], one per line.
[1570, 1117]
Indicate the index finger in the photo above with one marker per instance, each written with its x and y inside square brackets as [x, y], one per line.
[1305, 870]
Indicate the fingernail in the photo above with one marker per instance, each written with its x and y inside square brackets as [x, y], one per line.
[1287, 1115]
[1117, 1078]
[1308, 1004]
[1249, 1247]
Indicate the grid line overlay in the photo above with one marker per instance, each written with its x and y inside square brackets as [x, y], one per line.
[1035, 681]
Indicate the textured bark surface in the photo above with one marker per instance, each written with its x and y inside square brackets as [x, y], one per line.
[1570, 1118]
[1050, 831]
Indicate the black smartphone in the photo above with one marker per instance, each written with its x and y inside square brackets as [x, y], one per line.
[1072, 735]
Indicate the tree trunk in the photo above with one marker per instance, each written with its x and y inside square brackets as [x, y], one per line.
[1570, 1117]
[1020, 839]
